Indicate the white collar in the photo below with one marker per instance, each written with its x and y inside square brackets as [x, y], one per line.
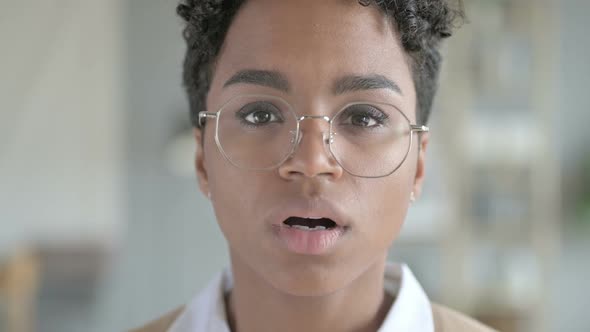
[411, 310]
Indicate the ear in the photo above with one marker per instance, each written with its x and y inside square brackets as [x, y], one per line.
[200, 168]
[420, 166]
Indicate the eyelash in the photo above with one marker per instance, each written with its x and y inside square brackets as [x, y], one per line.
[379, 116]
[251, 108]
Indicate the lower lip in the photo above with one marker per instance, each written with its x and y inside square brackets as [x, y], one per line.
[308, 242]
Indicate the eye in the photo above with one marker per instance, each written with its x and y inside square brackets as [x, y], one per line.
[362, 115]
[259, 113]
[362, 120]
[260, 117]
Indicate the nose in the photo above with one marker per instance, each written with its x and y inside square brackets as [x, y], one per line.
[312, 156]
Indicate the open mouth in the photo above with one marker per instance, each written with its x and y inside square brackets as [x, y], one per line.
[310, 224]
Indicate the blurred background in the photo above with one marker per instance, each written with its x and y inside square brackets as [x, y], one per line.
[102, 227]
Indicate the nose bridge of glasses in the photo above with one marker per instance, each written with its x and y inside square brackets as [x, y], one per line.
[309, 130]
[313, 126]
[311, 117]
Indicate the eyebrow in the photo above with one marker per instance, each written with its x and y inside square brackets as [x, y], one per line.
[268, 78]
[276, 80]
[350, 83]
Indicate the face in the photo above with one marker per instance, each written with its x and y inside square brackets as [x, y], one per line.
[312, 45]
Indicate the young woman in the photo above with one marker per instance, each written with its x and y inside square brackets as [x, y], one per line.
[310, 121]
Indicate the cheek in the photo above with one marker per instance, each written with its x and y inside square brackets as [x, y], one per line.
[389, 205]
[237, 195]
[386, 205]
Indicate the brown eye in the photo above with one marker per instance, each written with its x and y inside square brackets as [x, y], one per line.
[259, 117]
[259, 113]
[362, 120]
[363, 116]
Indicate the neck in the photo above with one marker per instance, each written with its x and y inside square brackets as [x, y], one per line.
[256, 306]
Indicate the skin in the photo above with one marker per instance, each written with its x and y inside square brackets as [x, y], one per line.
[312, 43]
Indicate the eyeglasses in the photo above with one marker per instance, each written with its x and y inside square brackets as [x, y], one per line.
[260, 132]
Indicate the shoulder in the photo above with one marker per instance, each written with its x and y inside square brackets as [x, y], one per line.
[205, 309]
[161, 324]
[449, 320]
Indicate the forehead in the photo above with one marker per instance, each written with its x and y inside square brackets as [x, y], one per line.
[312, 42]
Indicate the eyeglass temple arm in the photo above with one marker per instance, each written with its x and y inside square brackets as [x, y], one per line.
[203, 117]
[419, 129]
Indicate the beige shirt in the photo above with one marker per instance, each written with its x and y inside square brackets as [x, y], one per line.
[411, 310]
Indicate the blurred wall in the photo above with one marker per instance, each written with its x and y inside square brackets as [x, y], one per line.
[172, 245]
[571, 297]
[574, 115]
[61, 121]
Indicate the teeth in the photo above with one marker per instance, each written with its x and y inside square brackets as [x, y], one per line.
[301, 227]
[305, 228]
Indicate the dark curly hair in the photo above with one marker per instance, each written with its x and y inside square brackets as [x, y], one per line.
[422, 25]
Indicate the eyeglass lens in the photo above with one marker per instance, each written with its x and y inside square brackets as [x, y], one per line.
[260, 132]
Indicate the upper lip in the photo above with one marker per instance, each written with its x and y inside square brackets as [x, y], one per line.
[308, 209]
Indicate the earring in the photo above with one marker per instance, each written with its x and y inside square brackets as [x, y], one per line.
[412, 197]
[209, 195]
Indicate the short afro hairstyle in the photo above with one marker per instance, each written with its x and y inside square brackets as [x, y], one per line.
[422, 25]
